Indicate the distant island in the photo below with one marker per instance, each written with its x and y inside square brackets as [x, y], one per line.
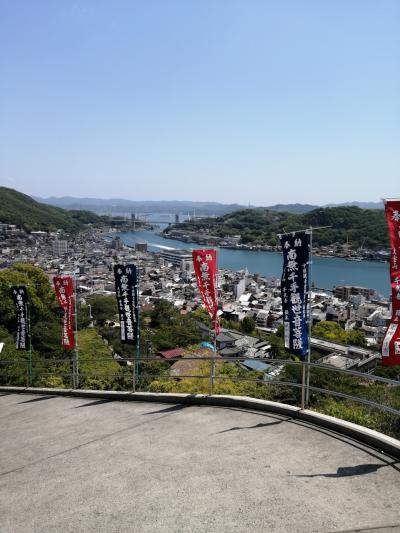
[352, 229]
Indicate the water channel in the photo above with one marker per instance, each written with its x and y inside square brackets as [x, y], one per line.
[326, 272]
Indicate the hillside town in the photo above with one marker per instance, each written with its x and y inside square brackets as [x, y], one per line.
[199, 266]
[168, 275]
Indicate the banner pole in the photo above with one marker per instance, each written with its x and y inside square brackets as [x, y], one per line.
[137, 310]
[303, 230]
[303, 381]
[305, 361]
[307, 399]
[30, 344]
[207, 277]
[134, 375]
[76, 335]
[210, 384]
[215, 326]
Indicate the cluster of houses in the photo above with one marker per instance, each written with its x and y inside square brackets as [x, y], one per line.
[168, 275]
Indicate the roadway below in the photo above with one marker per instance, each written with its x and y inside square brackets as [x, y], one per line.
[88, 465]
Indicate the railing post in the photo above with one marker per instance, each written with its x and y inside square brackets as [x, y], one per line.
[212, 375]
[30, 370]
[303, 383]
[76, 371]
[73, 372]
[307, 384]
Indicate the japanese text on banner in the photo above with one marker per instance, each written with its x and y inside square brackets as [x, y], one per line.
[20, 297]
[205, 268]
[391, 341]
[294, 291]
[127, 293]
[64, 288]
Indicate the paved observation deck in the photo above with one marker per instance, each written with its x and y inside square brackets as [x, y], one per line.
[71, 464]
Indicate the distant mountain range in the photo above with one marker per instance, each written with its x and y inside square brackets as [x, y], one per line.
[119, 205]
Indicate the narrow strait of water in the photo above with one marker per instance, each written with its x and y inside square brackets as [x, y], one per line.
[326, 272]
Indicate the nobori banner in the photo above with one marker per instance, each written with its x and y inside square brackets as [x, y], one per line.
[64, 287]
[205, 268]
[20, 297]
[294, 291]
[127, 293]
[391, 342]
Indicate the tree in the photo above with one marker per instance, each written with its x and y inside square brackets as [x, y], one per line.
[42, 298]
[277, 347]
[46, 338]
[162, 314]
[334, 332]
[84, 319]
[248, 324]
[201, 315]
[12, 373]
[356, 338]
[181, 331]
[103, 308]
[98, 369]
[330, 331]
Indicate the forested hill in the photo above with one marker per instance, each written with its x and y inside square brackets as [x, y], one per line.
[358, 227]
[22, 210]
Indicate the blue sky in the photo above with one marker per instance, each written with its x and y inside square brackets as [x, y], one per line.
[232, 101]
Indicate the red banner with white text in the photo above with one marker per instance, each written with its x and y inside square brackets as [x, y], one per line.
[391, 342]
[205, 268]
[64, 287]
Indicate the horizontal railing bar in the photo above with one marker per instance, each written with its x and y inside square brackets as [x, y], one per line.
[355, 373]
[297, 385]
[185, 376]
[231, 378]
[243, 379]
[157, 359]
[273, 362]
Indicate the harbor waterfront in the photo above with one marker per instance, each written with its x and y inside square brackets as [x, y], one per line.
[326, 272]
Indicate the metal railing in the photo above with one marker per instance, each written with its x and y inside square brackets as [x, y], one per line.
[134, 373]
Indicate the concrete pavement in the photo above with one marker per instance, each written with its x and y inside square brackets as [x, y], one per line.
[79, 464]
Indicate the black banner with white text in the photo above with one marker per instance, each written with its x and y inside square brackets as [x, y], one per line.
[20, 297]
[294, 291]
[127, 293]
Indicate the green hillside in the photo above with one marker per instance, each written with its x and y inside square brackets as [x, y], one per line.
[358, 227]
[22, 210]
